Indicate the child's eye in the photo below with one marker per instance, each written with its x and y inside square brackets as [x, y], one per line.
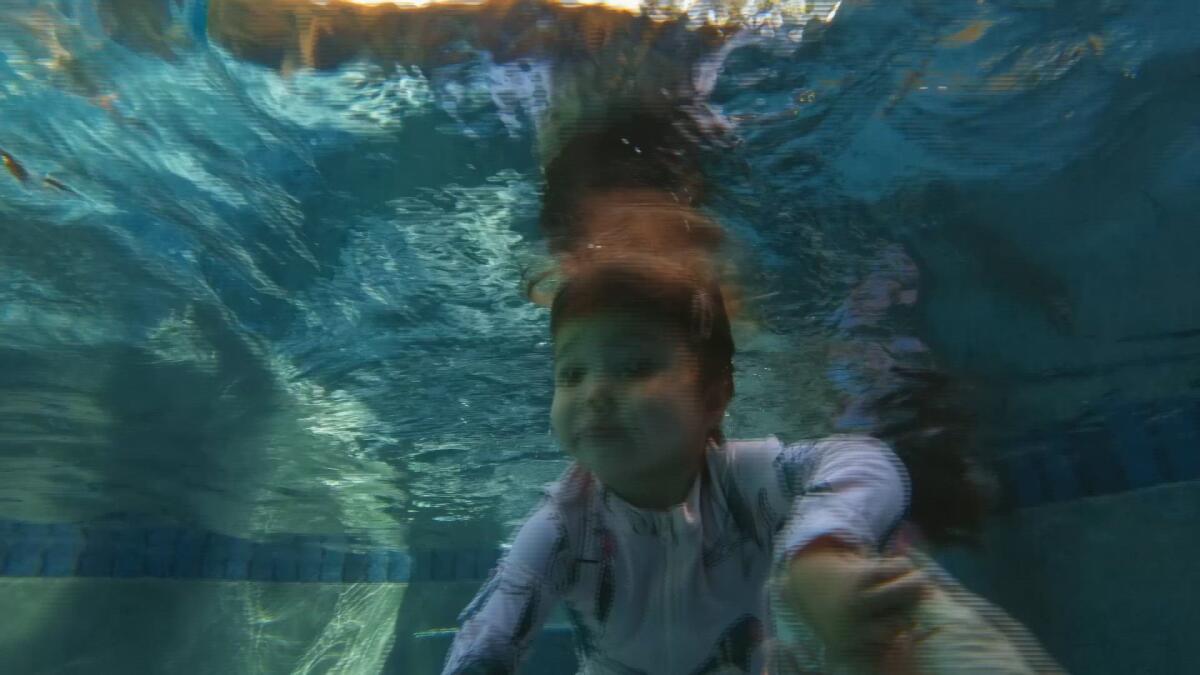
[568, 376]
[638, 367]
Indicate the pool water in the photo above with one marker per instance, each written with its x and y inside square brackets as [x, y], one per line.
[271, 399]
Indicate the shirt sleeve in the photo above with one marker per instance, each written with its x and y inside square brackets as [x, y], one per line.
[498, 625]
[852, 488]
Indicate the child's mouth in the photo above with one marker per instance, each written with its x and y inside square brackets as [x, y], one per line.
[601, 431]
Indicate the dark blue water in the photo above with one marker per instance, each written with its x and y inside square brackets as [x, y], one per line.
[284, 310]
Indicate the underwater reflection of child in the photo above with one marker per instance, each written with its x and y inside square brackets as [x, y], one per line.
[892, 389]
[608, 50]
[660, 537]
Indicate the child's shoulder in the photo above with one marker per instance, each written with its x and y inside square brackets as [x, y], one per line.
[553, 527]
[750, 449]
[747, 464]
[759, 459]
[571, 491]
[746, 449]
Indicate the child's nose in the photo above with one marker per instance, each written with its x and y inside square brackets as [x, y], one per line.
[601, 392]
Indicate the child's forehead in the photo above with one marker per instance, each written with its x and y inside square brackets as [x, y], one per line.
[614, 328]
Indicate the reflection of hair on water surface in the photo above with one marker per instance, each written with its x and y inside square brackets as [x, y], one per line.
[303, 33]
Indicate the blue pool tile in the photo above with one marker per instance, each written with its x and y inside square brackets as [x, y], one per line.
[237, 565]
[465, 565]
[26, 549]
[441, 565]
[99, 553]
[1061, 476]
[487, 561]
[1043, 472]
[190, 546]
[354, 568]
[1023, 476]
[261, 562]
[216, 556]
[377, 566]
[1001, 470]
[423, 565]
[1178, 434]
[5, 540]
[166, 552]
[129, 547]
[418, 563]
[63, 546]
[1091, 449]
[331, 562]
[160, 551]
[24, 559]
[310, 561]
[31, 531]
[399, 566]
[285, 556]
[1133, 446]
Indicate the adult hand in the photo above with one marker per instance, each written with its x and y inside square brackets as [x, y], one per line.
[857, 605]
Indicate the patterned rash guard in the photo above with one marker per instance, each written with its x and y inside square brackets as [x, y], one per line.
[682, 590]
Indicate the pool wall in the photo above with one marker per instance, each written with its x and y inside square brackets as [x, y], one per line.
[1096, 545]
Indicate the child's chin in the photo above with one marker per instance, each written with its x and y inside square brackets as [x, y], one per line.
[603, 458]
[610, 473]
[596, 443]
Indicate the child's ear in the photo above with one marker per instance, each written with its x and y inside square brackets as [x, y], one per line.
[716, 398]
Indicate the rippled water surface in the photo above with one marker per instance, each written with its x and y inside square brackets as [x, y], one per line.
[274, 303]
[263, 303]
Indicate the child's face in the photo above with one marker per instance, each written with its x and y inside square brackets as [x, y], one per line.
[627, 401]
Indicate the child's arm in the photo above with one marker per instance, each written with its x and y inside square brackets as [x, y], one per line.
[855, 605]
[847, 494]
[499, 624]
[849, 489]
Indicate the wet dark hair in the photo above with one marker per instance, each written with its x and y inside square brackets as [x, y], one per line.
[652, 150]
[927, 418]
[688, 299]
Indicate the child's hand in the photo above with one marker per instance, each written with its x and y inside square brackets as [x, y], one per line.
[856, 605]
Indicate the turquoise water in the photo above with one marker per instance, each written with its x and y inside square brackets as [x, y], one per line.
[281, 315]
